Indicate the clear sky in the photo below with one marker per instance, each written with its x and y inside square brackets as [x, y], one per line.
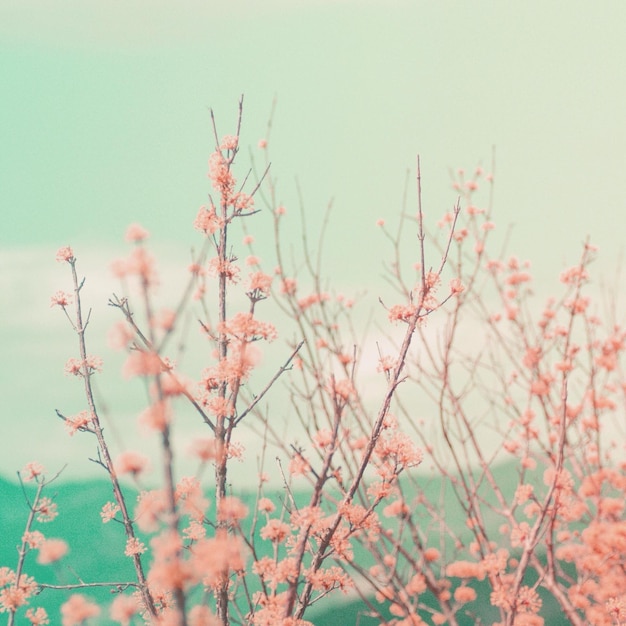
[104, 120]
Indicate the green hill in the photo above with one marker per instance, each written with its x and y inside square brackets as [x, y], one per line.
[96, 549]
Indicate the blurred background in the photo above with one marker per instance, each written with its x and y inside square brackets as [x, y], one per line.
[104, 121]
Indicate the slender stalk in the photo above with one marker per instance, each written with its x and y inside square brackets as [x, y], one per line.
[107, 462]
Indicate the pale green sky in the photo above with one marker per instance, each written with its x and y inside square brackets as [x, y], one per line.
[104, 121]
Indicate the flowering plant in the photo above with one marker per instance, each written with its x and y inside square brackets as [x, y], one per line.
[466, 374]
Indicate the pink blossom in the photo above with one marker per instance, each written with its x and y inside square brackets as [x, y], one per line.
[37, 617]
[142, 363]
[265, 505]
[288, 286]
[432, 554]
[578, 305]
[433, 279]
[130, 462]
[460, 234]
[245, 327]
[94, 363]
[134, 547]
[60, 298]
[157, 416]
[81, 421]
[52, 550]
[417, 584]
[229, 142]
[33, 538]
[323, 438]
[447, 218]
[389, 560]
[345, 358]
[164, 319]
[241, 202]
[195, 531]
[517, 278]
[123, 608]
[220, 175]
[235, 450]
[136, 233]
[262, 143]
[204, 448]
[120, 335]
[464, 594]
[141, 263]
[465, 569]
[399, 448]
[616, 608]
[528, 602]
[260, 283]
[331, 578]
[298, 465]
[174, 384]
[344, 389]
[65, 254]
[32, 471]
[224, 267]
[190, 498]
[207, 220]
[519, 534]
[574, 275]
[231, 509]
[151, 505]
[46, 510]
[511, 446]
[196, 269]
[73, 367]
[7, 576]
[311, 299]
[401, 312]
[15, 596]
[379, 489]
[78, 609]
[398, 508]
[76, 367]
[211, 558]
[109, 511]
[523, 493]
[119, 268]
[219, 407]
[456, 286]
[532, 357]
[275, 531]
[169, 570]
